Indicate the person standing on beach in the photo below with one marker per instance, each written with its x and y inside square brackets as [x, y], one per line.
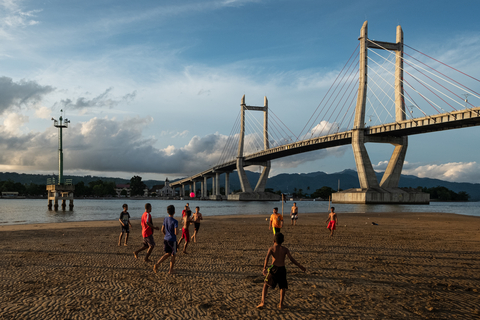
[185, 230]
[294, 214]
[277, 273]
[125, 221]
[276, 221]
[169, 230]
[197, 216]
[332, 221]
[184, 211]
[147, 233]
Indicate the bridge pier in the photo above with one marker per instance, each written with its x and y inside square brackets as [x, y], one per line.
[370, 190]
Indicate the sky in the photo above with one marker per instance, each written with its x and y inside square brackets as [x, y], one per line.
[153, 88]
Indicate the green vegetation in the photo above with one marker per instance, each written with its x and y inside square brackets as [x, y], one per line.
[136, 186]
[444, 194]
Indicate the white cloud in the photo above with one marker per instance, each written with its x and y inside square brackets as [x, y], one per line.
[13, 122]
[453, 171]
[43, 112]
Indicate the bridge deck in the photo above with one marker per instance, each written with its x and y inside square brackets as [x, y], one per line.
[444, 121]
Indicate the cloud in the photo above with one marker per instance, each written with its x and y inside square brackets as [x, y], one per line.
[24, 92]
[453, 171]
[106, 145]
[100, 101]
[13, 17]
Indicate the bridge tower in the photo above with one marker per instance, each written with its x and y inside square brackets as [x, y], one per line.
[371, 191]
[247, 192]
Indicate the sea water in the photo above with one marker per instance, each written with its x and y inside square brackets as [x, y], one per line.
[27, 211]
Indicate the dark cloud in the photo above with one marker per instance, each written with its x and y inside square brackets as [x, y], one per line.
[15, 94]
[101, 101]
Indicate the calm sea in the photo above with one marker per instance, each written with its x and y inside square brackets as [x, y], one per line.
[26, 211]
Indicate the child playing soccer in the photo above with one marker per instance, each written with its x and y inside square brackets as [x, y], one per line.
[187, 220]
[169, 229]
[197, 216]
[147, 233]
[332, 225]
[125, 221]
[276, 273]
[276, 221]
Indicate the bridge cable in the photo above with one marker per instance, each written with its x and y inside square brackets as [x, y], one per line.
[301, 132]
[407, 62]
[443, 63]
[314, 128]
[421, 82]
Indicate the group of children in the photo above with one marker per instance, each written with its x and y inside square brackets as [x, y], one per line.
[169, 230]
[275, 273]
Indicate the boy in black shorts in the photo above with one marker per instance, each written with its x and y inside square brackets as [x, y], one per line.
[276, 273]
[125, 221]
[169, 230]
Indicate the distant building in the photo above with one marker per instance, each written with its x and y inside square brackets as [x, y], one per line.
[163, 190]
[120, 187]
[9, 194]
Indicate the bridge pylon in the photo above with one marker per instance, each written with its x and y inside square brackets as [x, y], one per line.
[387, 190]
[247, 192]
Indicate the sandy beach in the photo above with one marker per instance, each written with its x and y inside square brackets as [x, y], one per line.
[409, 266]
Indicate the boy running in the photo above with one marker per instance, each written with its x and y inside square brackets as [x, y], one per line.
[185, 230]
[197, 216]
[332, 225]
[147, 233]
[125, 221]
[276, 273]
[169, 229]
[276, 221]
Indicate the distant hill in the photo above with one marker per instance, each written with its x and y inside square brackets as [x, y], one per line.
[284, 182]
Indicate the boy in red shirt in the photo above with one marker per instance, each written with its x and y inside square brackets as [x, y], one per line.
[147, 233]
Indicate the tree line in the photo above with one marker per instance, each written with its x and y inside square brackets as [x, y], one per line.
[97, 188]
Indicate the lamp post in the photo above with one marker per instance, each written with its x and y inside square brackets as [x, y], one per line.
[60, 124]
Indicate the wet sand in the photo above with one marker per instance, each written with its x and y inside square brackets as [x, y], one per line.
[409, 266]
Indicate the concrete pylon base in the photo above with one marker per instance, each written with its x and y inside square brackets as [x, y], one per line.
[254, 196]
[381, 196]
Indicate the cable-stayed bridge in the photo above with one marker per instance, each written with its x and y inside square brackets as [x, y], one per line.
[402, 92]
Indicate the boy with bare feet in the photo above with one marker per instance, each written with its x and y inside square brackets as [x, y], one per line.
[276, 273]
[276, 221]
[147, 233]
[332, 217]
[197, 216]
[187, 220]
[125, 221]
[294, 214]
[169, 229]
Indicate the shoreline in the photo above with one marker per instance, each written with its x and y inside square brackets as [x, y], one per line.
[158, 220]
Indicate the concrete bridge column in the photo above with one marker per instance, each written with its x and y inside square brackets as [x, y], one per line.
[217, 184]
[183, 190]
[227, 183]
[213, 185]
[205, 186]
